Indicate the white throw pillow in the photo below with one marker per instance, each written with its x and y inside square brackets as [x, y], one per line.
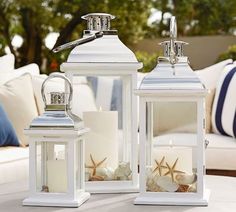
[7, 63]
[83, 99]
[224, 105]
[32, 69]
[209, 77]
[17, 98]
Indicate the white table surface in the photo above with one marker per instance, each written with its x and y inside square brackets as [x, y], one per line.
[223, 198]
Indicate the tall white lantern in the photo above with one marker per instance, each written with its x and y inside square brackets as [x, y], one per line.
[56, 161]
[111, 69]
[172, 123]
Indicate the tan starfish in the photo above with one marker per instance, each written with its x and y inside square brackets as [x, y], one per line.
[159, 166]
[94, 165]
[172, 170]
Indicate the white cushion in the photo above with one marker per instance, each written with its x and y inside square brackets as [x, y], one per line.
[209, 77]
[83, 99]
[220, 153]
[7, 63]
[17, 98]
[33, 69]
[224, 105]
[14, 164]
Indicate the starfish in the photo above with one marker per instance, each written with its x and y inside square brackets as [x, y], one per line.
[159, 166]
[94, 165]
[172, 170]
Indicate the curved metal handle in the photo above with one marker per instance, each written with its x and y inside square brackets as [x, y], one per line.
[55, 75]
[78, 42]
[173, 36]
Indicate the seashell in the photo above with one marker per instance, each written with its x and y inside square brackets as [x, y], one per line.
[167, 184]
[96, 178]
[193, 188]
[151, 184]
[87, 176]
[186, 179]
[123, 171]
[107, 173]
[183, 188]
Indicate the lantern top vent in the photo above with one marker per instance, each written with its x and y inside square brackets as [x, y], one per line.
[98, 21]
[172, 71]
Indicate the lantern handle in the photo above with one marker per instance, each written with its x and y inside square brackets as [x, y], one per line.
[173, 36]
[56, 75]
[77, 42]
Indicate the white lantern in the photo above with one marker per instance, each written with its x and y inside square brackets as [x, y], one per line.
[111, 145]
[56, 142]
[172, 123]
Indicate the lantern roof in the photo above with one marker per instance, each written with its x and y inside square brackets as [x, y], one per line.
[100, 43]
[172, 71]
[58, 112]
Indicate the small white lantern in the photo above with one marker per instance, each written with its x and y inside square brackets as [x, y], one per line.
[111, 145]
[172, 139]
[56, 142]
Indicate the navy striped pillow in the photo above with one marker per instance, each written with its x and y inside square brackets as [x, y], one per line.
[224, 105]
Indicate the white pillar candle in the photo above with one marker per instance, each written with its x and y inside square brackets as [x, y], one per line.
[57, 176]
[102, 140]
[183, 154]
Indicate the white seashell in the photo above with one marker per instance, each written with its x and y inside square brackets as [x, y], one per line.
[151, 184]
[107, 173]
[193, 188]
[186, 179]
[166, 184]
[87, 176]
[123, 171]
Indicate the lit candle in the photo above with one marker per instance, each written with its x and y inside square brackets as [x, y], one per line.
[102, 140]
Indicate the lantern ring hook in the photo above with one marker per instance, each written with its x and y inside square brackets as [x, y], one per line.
[55, 75]
[173, 36]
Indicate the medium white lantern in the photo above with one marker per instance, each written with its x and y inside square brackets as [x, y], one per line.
[56, 142]
[172, 123]
[111, 144]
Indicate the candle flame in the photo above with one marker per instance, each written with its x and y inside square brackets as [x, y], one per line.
[100, 108]
[171, 143]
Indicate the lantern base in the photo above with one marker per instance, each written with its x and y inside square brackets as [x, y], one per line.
[54, 202]
[110, 187]
[152, 200]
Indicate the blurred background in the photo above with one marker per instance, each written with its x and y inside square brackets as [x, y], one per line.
[31, 28]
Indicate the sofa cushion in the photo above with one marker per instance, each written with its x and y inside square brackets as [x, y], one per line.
[17, 98]
[7, 63]
[220, 153]
[32, 69]
[83, 99]
[209, 77]
[7, 133]
[224, 106]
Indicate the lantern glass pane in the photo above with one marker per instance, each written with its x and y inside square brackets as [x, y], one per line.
[171, 147]
[104, 104]
[51, 163]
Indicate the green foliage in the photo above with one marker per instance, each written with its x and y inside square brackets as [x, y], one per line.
[230, 53]
[149, 60]
[198, 17]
